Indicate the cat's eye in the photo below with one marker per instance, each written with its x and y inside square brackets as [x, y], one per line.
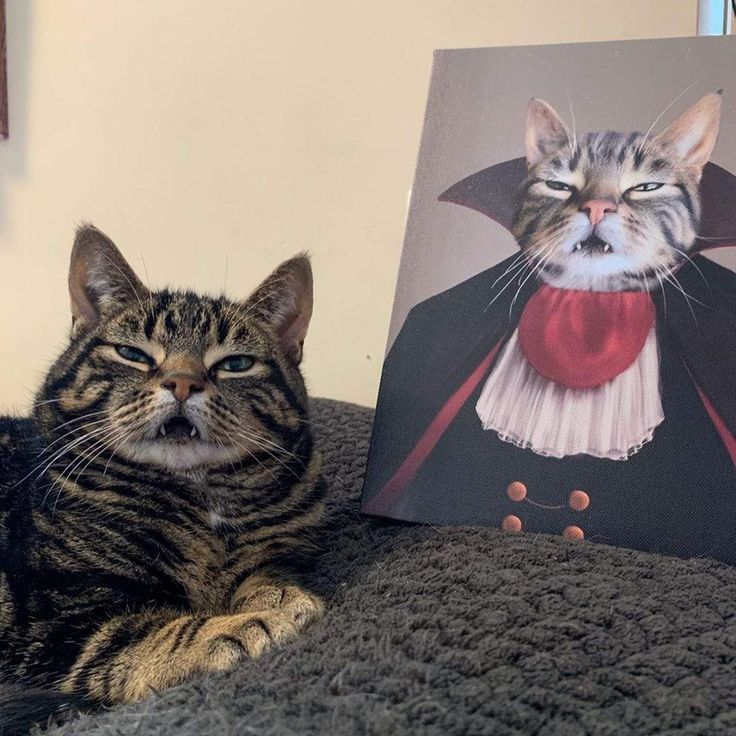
[235, 364]
[647, 186]
[134, 355]
[559, 186]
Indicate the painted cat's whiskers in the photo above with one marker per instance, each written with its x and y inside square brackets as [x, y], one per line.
[527, 263]
[664, 270]
[664, 111]
[573, 142]
[695, 266]
[542, 258]
[519, 257]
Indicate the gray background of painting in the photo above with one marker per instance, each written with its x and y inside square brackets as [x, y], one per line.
[475, 118]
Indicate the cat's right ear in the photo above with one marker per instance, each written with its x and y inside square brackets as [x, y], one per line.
[545, 131]
[693, 135]
[100, 278]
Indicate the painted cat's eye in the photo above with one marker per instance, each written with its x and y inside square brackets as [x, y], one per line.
[235, 364]
[134, 355]
[559, 186]
[647, 186]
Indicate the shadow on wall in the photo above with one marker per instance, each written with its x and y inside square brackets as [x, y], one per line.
[13, 150]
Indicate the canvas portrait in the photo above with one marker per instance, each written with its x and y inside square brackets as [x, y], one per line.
[562, 352]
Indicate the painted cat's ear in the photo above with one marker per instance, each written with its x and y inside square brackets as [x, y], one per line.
[100, 279]
[545, 131]
[284, 300]
[694, 133]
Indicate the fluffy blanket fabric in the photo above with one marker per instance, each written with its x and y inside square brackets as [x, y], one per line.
[470, 631]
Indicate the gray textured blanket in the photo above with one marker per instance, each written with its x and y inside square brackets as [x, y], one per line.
[470, 631]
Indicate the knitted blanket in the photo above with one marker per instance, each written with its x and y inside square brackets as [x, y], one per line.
[470, 631]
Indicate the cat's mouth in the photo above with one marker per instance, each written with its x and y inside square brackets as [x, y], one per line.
[593, 245]
[177, 428]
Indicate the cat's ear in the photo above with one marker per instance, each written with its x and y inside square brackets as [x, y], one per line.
[100, 279]
[545, 131]
[694, 133]
[284, 300]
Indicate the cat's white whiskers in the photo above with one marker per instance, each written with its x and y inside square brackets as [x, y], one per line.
[255, 457]
[46, 463]
[695, 266]
[718, 239]
[659, 117]
[65, 475]
[81, 428]
[574, 142]
[528, 262]
[517, 263]
[119, 413]
[663, 290]
[542, 259]
[122, 435]
[42, 403]
[668, 276]
[255, 437]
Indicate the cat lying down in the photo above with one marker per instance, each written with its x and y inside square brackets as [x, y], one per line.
[159, 508]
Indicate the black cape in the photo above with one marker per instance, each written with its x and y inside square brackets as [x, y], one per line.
[430, 460]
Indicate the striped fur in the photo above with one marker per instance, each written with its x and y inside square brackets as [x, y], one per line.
[130, 560]
[649, 233]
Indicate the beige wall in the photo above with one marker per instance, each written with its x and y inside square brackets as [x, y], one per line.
[199, 133]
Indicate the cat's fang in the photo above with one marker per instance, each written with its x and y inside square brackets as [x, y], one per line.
[162, 431]
[578, 246]
[607, 248]
[193, 433]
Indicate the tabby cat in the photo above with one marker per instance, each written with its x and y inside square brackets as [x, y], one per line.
[157, 511]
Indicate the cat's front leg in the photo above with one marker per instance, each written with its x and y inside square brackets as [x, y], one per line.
[131, 656]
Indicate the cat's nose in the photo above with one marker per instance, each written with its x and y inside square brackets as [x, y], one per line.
[597, 209]
[183, 386]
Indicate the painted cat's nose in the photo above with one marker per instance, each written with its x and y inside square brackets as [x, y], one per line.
[597, 209]
[183, 386]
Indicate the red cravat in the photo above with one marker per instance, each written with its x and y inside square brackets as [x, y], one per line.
[582, 339]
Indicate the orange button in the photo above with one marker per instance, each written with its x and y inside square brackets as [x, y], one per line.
[511, 524]
[574, 533]
[579, 500]
[516, 491]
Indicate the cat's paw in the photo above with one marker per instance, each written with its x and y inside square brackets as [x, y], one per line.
[296, 604]
[247, 635]
[273, 616]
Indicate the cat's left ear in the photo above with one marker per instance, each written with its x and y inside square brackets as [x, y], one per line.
[694, 133]
[100, 279]
[284, 300]
[545, 131]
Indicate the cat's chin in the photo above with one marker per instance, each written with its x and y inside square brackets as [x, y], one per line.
[599, 271]
[182, 455]
[593, 282]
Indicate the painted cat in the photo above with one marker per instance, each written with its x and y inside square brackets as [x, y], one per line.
[584, 386]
